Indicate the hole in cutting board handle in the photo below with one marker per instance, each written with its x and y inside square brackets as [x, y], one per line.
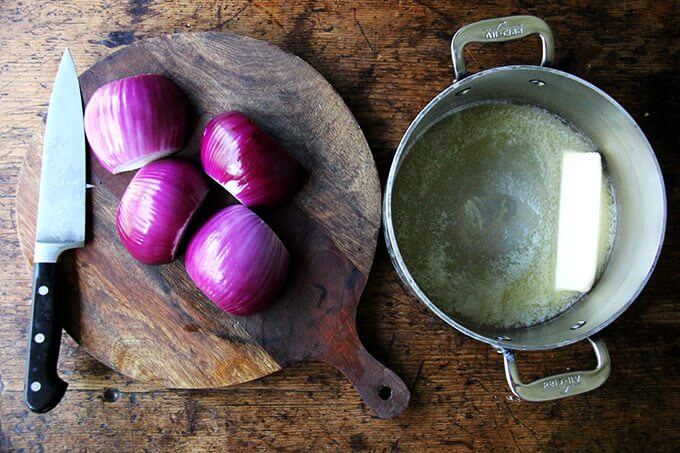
[385, 392]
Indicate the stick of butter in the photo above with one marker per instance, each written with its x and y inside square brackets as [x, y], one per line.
[578, 234]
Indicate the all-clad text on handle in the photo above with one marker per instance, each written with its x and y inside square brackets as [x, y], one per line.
[498, 30]
[561, 385]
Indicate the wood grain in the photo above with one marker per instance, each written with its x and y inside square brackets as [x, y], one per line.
[151, 323]
[387, 60]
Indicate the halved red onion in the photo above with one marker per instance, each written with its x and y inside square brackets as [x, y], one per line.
[157, 207]
[133, 121]
[238, 261]
[246, 161]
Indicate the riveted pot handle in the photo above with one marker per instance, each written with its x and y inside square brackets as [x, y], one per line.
[561, 385]
[498, 30]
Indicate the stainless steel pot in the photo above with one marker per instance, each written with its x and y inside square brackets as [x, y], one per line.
[635, 176]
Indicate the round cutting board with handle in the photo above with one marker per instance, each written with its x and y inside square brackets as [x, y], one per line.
[151, 323]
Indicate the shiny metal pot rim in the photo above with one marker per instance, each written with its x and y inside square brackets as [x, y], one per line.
[459, 88]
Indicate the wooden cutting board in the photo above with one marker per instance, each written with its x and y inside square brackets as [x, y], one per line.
[150, 322]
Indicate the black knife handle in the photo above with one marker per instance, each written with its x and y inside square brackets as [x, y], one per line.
[44, 388]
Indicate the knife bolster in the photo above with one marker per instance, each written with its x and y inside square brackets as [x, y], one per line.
[48, 252]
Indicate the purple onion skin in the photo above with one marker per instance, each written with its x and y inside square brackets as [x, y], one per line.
[237, 261]
[247, 162]
[156, 208]
[133, 121]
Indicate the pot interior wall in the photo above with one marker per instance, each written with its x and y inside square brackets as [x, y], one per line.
[634, 173]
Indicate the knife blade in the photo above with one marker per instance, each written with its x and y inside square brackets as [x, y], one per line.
[60, 226]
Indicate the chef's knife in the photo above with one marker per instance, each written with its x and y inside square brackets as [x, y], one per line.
[61, 226]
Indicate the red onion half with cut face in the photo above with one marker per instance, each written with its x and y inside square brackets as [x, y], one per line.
[247, 162]
[133, 121]
[156, 208]
[237, 261]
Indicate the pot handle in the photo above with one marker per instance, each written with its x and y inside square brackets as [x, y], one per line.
[560, 385]
[498, 30]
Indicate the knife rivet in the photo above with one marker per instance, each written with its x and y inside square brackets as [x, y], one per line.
[43, 290]
[39, 338]
[35, 386]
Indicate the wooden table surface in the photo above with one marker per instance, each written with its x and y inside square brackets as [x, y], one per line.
[387, 60]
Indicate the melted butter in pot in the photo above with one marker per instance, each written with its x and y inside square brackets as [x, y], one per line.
[475, 209]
